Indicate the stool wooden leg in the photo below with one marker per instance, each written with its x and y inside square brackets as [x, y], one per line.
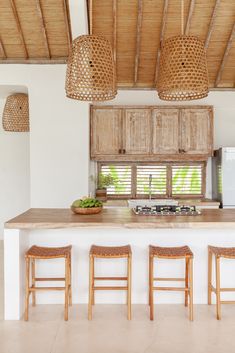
[93, 282]
[151, 287]
[27, 273]
[70, 282]
[66, 289]
[186, 281]
[209, 276]
[33, 283]
[91, 278]
[191, 289]
[129, 288]
[218, 304]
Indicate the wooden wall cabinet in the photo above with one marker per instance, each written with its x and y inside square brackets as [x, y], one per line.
[151, 133]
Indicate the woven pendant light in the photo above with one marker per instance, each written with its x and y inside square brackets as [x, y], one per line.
[90, 70]
[16, 113]
[91, 73]
[183, 71]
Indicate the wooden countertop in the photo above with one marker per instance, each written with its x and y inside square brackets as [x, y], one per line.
[49, 218]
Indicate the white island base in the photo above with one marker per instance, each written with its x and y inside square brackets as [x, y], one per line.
[17, 241]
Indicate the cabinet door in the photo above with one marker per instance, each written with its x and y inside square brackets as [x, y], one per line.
[106, 125]
[165, 131]
[196, 131]
[137, 131]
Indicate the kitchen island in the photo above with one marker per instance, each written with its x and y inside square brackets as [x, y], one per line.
[114, 226]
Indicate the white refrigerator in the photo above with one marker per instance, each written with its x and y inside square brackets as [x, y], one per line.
[223, 176]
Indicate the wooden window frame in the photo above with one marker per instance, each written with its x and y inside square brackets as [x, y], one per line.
[168, 194]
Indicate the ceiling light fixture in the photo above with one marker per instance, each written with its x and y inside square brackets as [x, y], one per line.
[183, 71]
[91, 73]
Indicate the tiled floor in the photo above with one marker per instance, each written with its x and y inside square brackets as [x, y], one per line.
[110, 332]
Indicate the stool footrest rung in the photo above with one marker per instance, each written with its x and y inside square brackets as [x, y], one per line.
[110, 288]
[33, 289]
[180, 289]
[169, 279]
[41, 279]
[227, 301]
[110, 278]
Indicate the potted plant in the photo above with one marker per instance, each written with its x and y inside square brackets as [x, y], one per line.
[104, 180]
[87, 205]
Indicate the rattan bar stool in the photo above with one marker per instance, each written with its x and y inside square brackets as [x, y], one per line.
[218, 252]
[46, 253]
[108, 252]
[182, 252]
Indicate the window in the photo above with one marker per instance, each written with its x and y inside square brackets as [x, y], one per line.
[133, 180]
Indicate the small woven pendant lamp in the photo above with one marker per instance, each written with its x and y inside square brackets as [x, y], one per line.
[16, 113]
[91, 74]
[183, 71]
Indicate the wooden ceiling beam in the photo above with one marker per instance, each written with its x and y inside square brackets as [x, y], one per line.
[15, 13]
[162, 32]
[211, 25]
[61, 60]
[2, 50]
[67, 22]
[138, 35]
[43, 28]
[115, 31]
[190, 13]
[226, 52]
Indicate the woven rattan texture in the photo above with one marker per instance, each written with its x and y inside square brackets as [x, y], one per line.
[181, 251]
[50, 253]
[91, 72]
[183, 71]
[16, 113]
[223, 252]
[110, 251]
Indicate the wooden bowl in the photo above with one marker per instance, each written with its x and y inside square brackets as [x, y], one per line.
[89, 210]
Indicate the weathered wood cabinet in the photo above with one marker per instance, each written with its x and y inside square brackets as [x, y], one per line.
[152, 133]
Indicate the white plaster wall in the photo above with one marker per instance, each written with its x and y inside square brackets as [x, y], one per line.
[14, 173]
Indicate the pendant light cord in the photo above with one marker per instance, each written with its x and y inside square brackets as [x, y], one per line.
[90, 16]
[182, 17]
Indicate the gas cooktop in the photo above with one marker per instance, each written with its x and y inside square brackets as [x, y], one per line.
[166, 210]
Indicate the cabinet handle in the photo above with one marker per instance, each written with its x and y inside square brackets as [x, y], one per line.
[123, 151]
[120, 151]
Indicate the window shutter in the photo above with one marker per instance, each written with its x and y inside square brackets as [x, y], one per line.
[187, 179]
[122, 176]
[159, 179]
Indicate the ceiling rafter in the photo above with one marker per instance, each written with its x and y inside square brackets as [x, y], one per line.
[2, 49]
[15, 13]
[138, 37]
[67, 22]
[43, 27]
[189, 19]
[211, 25]
[226, 52]
[163, 26]
[115, 31]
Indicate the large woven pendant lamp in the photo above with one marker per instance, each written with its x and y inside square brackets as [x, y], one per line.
[91, 73]
[183, 71]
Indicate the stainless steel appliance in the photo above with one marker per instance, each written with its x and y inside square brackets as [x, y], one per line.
[166, 210]
[223, 176]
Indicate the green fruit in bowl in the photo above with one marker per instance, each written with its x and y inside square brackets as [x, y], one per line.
[87, 202]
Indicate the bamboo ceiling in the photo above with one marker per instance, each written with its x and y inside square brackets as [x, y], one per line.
[136, 27]
[34, 31]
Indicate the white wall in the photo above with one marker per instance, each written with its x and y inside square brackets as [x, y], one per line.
[14, 173]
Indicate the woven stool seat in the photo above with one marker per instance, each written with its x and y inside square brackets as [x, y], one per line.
[40, 252]
[222, 252]
[110, 251]
[168, 252]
